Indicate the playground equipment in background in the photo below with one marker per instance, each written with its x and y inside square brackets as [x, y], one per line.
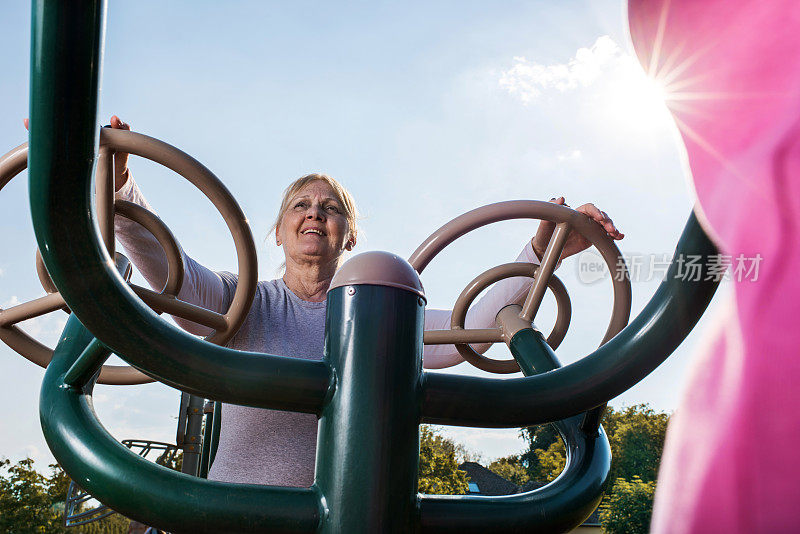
[75, 511]
[369, 392]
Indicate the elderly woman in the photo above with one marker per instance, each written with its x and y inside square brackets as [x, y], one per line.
[316, 224]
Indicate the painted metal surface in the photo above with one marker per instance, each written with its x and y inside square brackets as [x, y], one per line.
[567, 220]
[192, 443]
[138, 488]
[613, 368]
[368, 446]
[484, 280]
[559, 506]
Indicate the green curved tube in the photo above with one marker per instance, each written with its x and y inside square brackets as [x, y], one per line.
[65, 64]
[558, 507]
[148, 492]
[613, 368]
[561, 505]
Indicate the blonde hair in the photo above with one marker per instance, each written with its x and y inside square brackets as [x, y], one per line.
[342, 195]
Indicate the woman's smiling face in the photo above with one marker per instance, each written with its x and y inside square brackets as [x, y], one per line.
[314, 228]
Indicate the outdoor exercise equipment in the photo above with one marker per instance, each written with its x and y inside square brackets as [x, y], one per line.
[568, 220]
[369, 392]
[224, 325]
[77, 509]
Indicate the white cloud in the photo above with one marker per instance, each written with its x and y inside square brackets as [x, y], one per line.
[529, 79]
[569, 155]
[13, 301]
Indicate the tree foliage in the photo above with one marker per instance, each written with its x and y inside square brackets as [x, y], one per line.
[438, 466]
[551, 461]
[26, 504]
[628, 507]
[33, 503]
[636, 435]
[511, 468]
[541, 440]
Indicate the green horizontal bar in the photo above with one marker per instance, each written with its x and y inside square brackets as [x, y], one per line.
[65, 69]
[88, 363]
[592, 381]
[150, 493]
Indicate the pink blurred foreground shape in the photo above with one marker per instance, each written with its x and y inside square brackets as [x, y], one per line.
[732, 72]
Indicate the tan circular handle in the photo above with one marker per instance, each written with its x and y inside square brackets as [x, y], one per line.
[224, 325]
[488, 278]
[153, 224]
[567, 220]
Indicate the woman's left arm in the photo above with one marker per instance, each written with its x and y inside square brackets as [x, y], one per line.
[512, 290]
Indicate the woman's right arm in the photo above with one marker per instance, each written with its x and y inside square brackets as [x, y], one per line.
[201, 286]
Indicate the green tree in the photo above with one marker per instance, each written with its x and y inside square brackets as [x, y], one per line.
[636, 435]
[26, 505]
[540, 439]
[628, 507]
[438, 466]
[551, 461]
[33, 503]
[511, 468]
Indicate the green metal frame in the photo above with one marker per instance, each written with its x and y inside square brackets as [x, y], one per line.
[143, 490]
[614, 367]
[369, 391]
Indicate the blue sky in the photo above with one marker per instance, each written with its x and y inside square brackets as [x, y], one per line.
[424, 110]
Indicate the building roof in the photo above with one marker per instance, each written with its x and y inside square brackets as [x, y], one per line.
[488, 482]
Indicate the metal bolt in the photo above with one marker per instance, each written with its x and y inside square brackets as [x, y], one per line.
[351, 291]
[421, 301]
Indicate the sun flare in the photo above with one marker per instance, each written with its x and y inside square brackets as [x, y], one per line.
[634, 100]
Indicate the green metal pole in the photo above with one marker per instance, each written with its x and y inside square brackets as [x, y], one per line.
[193, 437]
[215, 429]
[87, 364]
[205, 456]
[66, 54]
[368, 450]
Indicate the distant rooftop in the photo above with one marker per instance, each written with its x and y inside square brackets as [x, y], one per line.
[482, 481]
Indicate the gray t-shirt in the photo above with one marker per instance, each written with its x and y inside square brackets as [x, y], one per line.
[272, 447]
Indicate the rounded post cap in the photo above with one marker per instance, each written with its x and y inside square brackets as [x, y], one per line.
[378, 268]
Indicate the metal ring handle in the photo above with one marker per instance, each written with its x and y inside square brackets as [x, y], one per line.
[153, 224]
[569, 219]
[40, 354]
[483, 281]
[226, 325]
[199, 176]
